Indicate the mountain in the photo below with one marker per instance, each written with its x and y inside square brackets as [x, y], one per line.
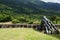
[29, 7]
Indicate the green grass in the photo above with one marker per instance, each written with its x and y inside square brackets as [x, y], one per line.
[25, 34]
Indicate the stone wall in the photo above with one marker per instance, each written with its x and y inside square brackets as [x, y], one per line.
[18, 25]
[57, 25]
[21, 25]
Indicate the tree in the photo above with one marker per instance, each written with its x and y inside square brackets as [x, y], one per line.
[15, 21]
[23, 19]
[54, 18]
[5, 18]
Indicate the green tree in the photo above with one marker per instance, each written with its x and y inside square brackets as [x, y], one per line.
[15, 21]
[5, 18]
[54, 18]
[23, 19]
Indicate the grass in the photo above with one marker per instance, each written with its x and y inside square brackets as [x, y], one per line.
[25, 34]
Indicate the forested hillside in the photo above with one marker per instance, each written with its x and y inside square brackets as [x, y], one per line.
[26, 10]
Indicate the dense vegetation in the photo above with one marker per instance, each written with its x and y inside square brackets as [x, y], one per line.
[24, 18]
[22, 11]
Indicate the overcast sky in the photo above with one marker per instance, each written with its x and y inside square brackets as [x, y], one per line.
[55, 1]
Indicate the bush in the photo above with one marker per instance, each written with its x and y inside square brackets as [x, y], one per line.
[15, 21]
[54, 18]
[36, 22]
[5, 18]
[22, 19]
[30, 22]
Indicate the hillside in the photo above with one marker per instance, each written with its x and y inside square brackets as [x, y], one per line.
[29, 7]
[27, 10]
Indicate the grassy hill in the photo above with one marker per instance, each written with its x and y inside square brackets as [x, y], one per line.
[25, 34]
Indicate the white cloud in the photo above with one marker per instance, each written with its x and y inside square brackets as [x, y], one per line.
[55, 1]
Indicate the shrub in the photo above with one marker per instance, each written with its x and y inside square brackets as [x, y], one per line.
[30, 22]
[22, 19]
[54, 18]
[15, 21]
[5, 18]
[36, 22]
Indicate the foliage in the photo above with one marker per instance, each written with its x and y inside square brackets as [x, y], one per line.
[15, 21]
[25, 14]
[55, 18]
[30, 22]
[5, 18]
[36, 22]
[23, 19]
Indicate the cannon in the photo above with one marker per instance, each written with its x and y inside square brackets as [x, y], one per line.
[47, 26]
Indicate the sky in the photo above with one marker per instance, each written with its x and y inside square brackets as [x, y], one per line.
[55, 1]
